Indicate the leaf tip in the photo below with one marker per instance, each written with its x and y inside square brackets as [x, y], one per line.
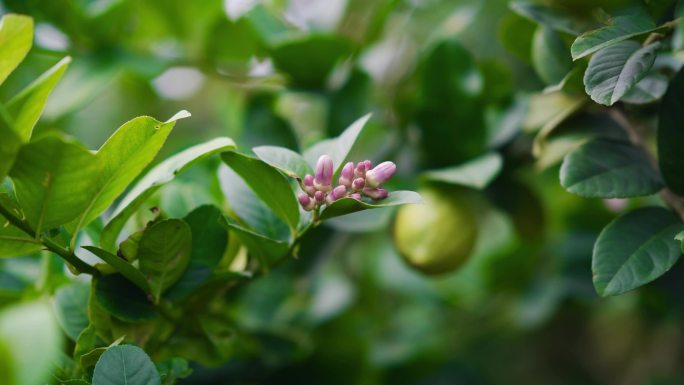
[182, 114]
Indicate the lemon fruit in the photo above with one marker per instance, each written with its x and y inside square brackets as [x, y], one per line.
[438, 236]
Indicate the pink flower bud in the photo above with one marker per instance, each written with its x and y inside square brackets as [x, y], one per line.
[319, 196]
[375, 193]
[309, 185]
[347, 174]
[368, 164]
[360, 171]
[358, 184]
[380, 174]
[356, 196]
[306, 202]
[338, 192]
[324, 173]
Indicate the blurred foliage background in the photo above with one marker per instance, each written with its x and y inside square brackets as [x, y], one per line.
[446, 81]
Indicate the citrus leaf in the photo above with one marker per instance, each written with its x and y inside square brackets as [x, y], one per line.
[125, 365]
[125, 301]
[337, 148]
[349, 205]
[477, 173]
[70, 304]
[671, 134]
[122, 266]
[286, 160]
[550, 58]
[264, 249]
[16, 39]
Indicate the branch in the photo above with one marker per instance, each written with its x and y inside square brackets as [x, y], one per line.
[672, 200]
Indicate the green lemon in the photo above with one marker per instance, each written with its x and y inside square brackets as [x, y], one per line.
[437, 236]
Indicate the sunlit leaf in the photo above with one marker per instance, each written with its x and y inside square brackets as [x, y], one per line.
[350, 205]
[16, 38]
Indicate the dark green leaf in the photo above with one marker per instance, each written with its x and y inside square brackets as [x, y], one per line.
[609, 169]
[558, 19]
[122, 266]
[266, 250]
[635, 249]
[671, 135]
[268, 184]
[648, 90]
[615, 70]
[350, 205]
[633, 23]
[477, 173]
[550, 58]
[117, 295]
[71, 304]
[125, 365]
[164, 254]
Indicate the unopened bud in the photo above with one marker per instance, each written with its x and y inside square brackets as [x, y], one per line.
[375, 193]
[324, 173]
[347, 174]
[338, 193]
[319, 196]
[356, 196]
[360, 170]
[380, 174]
[306, 202]
[358, 184]
[309, 185]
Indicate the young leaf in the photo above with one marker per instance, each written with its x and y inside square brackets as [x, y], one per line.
[160, 175]
[635, 249]
[125, 301]
[122, 266]
[164, 254]
[47, 173]
[286, 160]
[27, 106]
[338, 148]
[634, 23]
[268, 184]
[70, 304]
[615, 70]
[266, 250]
[16, 38]
[209, 241]
[125, 365]
[671, 135]
[550, 57]
[121, 159]
[609, 169]
[349, 205]
[477, 173]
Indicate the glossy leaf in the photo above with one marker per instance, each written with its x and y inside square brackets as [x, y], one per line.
[27, 106]
[635, 249]
[164, 254]
[615, 70]
[609, 169]
[349, 205]
[16, 38]
[620, 28]
[121, 159]
[671, 134]
[477, 173]
[125, 365]
[337, 148]
[265, 249]
[46, 174]
[209, 241]
[125, 301]
[285, 160]
[160, 175]
[550, 58]
[71, 304]
[34, 343]
[268, 184]
[14, 242]
[122, 266]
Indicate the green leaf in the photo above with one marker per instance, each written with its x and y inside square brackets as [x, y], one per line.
[27, 106]
[121, 159]
[14, 242]
[265, 249]
[160, 175]
[125, 365]
[635, 249]
[558, 19]
[620, 28]
[164, 253]
[550, 58]
[46, 175]
[609, 169]
[648, 90]
[285, 160]
[125, 301]
[671, 134]
[90, 359]
[9, 145]
[349, 205]
[16, 38]
[305, 70]
[173, 369]
[337, 148]
[33, 342]
[70, 304]
[615, 70]
[209, 241]
[477, 173]
[268, 184]
[122, 266]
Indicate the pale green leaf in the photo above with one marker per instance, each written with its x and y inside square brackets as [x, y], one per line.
[16, 39]
[337, 148]
[477, 173]
[286, 160]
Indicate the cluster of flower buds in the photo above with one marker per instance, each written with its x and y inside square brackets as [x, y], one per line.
[354, 182]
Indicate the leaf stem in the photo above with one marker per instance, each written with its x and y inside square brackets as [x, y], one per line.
[50, 244]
